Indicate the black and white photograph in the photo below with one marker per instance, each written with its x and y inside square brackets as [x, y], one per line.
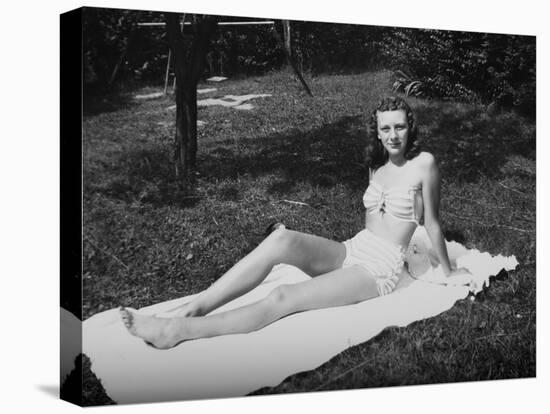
[279, 206]
[230, 207]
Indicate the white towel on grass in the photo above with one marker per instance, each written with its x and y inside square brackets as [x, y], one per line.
[235, 365]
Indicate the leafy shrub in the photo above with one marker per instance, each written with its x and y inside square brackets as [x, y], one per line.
[402, 82]
[472, 67]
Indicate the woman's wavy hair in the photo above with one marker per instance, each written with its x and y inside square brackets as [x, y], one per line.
[375, 154]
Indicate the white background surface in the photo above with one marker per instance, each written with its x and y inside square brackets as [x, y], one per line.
[29, 207]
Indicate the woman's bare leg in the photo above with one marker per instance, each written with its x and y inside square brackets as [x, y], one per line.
[336, 288]
[312, 254]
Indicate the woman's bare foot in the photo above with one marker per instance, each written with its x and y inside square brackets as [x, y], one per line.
[159, 332]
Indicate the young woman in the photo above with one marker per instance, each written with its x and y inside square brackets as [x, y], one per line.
[404, 186]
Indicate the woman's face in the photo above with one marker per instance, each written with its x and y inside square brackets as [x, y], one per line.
[393, 131]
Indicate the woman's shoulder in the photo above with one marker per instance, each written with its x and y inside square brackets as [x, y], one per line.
[425, 159]
[425, 165]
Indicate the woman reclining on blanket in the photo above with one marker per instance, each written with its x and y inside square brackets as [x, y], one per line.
[403, 184]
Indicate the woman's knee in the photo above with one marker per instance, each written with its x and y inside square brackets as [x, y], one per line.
[282, 240]
[279, 296]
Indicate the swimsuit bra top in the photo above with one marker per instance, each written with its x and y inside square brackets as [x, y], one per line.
[399, 202]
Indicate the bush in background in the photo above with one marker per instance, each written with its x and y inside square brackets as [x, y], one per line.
[467, 66]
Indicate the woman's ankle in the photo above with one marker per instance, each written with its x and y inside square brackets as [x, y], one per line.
[189, 309]
[196, 309]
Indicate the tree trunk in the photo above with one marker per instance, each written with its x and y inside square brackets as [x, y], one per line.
[185, 144]
[188, 67]
[290, 60]
[286, 36]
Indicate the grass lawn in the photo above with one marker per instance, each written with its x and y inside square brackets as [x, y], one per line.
[145, 242]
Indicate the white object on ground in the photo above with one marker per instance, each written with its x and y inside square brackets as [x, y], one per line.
[172, 124]
[231, 100]
[235, 365]
[155, 95]
[216, 79]
[206, 90]
[246, 107]
[235, 101]
[150, 96]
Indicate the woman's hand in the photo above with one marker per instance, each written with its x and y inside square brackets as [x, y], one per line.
[456, 277]
[460, 277]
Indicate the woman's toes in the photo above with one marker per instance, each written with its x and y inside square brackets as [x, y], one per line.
[126, 317]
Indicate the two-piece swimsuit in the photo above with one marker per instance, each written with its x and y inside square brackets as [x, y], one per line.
[383, 259]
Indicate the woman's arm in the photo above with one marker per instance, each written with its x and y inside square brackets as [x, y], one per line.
[431, 184]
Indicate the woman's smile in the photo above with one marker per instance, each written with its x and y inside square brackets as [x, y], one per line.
[393, 131]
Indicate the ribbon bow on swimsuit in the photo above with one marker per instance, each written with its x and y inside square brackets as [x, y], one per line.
[381, 204]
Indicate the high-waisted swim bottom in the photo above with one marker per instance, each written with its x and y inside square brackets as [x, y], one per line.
[382, 259]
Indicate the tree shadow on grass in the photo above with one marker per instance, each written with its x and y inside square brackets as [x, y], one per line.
[453, 234]
[469, 142]
[326, 156]
[145, 175]
[95, 104]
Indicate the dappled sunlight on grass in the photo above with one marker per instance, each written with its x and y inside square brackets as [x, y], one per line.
[470, 142]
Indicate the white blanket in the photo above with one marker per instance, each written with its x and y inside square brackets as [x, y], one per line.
[235, 365]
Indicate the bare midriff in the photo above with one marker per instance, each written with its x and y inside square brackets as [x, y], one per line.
[391, 229]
